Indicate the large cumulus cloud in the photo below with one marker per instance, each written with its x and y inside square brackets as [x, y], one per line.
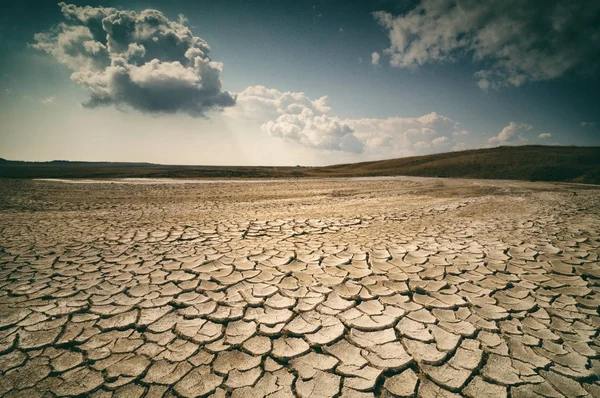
[513, 41]
[295, 117]
[316, 131]
[260, 103]
[513, 134]
[403, 136]
[141, 60]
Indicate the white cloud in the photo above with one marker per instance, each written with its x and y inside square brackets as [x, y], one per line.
[439, 140]
[48, 100]
[295, 117]
[587, 124]
[375, 58]
[141, 60]
[404, 136]
[315, 131]
[545, 135]
[511, 134]
[261, 103]
[515, 41]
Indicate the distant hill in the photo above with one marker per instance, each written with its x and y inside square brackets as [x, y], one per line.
[530, 162]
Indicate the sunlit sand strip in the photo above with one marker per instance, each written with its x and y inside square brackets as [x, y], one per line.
[147, 181]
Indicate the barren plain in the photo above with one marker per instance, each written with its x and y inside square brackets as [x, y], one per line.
[393, 287]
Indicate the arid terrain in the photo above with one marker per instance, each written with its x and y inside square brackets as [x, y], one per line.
[395, 287]
[526, 162]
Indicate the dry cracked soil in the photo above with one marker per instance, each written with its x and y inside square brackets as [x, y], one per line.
[301, 288]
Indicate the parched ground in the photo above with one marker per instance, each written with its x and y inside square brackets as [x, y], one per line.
[309, 288]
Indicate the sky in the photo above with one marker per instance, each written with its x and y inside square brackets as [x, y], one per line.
[294, 82]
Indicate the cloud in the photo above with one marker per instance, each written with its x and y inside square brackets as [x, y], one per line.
[295, 117]
[545, 135]
[375, 58]
[140, 60]
[48, 100]
[587, 124]
[514, 41]
[511, 134]
[404, 136]
[315, 131]
[261, 103]
[439, 140]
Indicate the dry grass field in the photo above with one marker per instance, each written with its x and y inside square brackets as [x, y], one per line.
[299, 288]
[529, 163]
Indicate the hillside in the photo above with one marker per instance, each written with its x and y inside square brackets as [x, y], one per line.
[534, 163]
[531, 162]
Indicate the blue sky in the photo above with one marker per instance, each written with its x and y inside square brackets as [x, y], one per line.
[487, 78]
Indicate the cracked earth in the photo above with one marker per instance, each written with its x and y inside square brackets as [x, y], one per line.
[311, 288]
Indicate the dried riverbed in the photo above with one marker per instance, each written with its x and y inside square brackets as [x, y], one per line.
[309, 288]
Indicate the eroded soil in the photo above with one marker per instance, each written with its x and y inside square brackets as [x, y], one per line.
[408, 287]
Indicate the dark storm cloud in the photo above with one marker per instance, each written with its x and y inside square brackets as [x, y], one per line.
[515, 41]
[142, 60]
